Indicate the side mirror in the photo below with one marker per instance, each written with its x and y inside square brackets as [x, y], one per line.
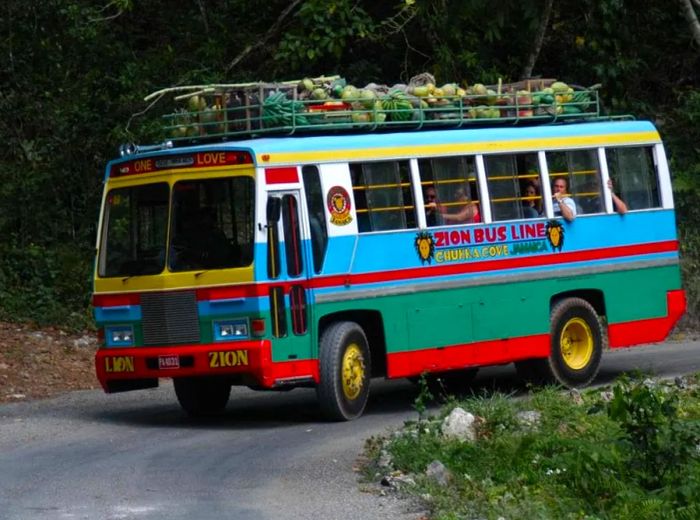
[274, 205]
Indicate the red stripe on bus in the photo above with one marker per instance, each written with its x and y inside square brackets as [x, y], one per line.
[262, 289]
[651, 330]
[457, 269]
[480, 353]
[281, 175]
[496, 265]
[114, 300]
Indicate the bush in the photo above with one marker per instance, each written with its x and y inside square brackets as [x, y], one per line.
[46, 286]
[634, 456]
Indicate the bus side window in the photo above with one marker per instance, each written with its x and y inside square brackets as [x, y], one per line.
[317, 219]
[383, 196]
[449, 184]
[581, 170]
[634, 176]
[508, 177]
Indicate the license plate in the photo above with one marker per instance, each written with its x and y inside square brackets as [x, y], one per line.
[168, 362]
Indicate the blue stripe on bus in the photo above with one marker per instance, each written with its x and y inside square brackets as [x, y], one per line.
[396, 249]
[233, 306]
[117, 313]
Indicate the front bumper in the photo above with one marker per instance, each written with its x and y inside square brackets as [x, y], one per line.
[251, 361]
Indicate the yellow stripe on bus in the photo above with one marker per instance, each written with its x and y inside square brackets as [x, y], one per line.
[339, 155]
[164, 281]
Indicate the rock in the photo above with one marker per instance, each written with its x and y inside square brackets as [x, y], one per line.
[384, 459]
[437, 471]
[460, 424]
[607, 396]
[529, 418]
[396, 480]
[681, 382]
[84, 342]
[576, 396]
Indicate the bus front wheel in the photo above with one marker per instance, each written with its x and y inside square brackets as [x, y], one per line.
[202, 396]
[345, 370]
[576, 347]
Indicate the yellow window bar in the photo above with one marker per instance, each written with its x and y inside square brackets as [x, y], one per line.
[536, 197]
[510, 177]
[579, 172]
[457, 204]
[512, 199]
[388, 208]
[447, 181]
[380, 186]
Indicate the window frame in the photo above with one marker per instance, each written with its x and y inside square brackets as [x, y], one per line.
[362, 208]
[517, 178]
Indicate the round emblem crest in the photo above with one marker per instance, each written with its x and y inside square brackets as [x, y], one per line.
[338, 202]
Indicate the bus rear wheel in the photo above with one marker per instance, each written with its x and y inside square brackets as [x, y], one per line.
[202, 396]
[345, 370]
[576, 347]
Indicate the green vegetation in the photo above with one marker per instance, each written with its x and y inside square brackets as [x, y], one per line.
[74, 75]
[627, 452]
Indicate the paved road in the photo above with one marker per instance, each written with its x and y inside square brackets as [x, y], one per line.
[135, 456]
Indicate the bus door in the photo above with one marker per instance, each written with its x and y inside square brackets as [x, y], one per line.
[288, 270]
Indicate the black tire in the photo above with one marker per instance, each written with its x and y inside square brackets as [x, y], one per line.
[345, 370]
[576, 347]
[202, 396]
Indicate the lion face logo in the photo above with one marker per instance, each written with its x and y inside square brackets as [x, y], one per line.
[338, 203]
[425, 247]
[555, 234]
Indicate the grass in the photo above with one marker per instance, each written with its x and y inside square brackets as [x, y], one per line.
[629, 451]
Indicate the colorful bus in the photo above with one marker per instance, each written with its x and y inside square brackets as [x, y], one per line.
[324, 260]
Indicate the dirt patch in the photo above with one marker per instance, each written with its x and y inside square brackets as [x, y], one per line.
[37, 363]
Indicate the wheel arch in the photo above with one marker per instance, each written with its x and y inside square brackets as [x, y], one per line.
[594, 297]
[372, 324]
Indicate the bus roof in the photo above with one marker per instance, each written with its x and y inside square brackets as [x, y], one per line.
[333, 148]
[269, 151]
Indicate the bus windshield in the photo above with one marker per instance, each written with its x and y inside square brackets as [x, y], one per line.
[211, 224]
[211, 227]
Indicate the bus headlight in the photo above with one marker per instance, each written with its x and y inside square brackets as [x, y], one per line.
[230, 329]
[119, 335]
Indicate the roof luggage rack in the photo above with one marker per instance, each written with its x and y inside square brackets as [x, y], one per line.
[328, 104]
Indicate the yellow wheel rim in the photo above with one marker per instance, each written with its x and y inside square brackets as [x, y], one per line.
[576, 343]
[353, 371]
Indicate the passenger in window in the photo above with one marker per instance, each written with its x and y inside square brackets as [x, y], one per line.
[618, 203]
[563, 205]
[467, 211]
[433, 217]
[532, 205]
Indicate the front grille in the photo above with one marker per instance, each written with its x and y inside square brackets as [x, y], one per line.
[170, 318]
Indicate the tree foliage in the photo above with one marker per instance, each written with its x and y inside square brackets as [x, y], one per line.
[74, 74]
